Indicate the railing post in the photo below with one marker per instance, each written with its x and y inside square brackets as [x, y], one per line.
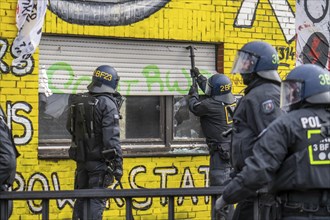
[171, 208]
[4, 212]
[213, 212]
[129, 213]
[86, 208]
[45, 209]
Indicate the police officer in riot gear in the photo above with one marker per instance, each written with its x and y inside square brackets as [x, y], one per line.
[215, 119]
[8, 156]
[215, 116]
[257, 63]
[292, 155]
[92, 165]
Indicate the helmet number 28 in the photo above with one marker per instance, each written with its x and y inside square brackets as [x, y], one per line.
[324, 79]
[224, 88]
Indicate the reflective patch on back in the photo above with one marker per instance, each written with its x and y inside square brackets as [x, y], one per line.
[319, 152]
[268, 106]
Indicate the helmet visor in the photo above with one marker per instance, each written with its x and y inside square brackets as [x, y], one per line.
[291, 93]
[244, 62]
[208, 88]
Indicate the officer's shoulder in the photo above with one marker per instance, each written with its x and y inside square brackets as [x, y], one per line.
[80, 97]
[266, 87]
[106, 99]
[287, 118]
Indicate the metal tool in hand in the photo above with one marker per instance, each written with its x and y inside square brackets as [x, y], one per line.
[192, 60]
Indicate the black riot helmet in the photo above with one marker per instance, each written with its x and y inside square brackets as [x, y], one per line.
[219, 87]
[257, 57]
[306, 83]
[105, 80]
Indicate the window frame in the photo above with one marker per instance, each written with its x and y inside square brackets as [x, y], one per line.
[166, 144]
[58, 148]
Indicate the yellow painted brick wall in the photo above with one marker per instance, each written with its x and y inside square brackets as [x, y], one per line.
[179, 20]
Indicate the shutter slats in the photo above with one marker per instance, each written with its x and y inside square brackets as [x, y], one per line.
[70, 62]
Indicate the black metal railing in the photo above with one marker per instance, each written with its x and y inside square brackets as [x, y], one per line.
[127, 194]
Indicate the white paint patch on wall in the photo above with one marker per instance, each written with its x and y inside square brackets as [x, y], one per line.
[282, 10]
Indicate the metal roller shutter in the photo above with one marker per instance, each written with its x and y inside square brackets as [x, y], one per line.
[145, 67]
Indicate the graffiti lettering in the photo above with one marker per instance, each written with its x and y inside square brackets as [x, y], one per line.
[27, 7]
[13, 116]
[285, 54]
[72, 82]
[142, 205]
[312, 6]
[205, 171]
[187, 181]
[153, 79]
[27, 66]
[282, 10]
[152, 74]
[175, 86]
[19, 183]
[33, 14]
[164, 172]
[39, 181]
[60, 202]
[32, 184]
[4, 68]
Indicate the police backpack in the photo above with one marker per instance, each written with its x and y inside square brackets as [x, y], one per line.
[81, 126]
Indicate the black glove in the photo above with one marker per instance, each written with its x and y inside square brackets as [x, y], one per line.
[221, 208]
[195, 72]
[109, 154]
[118, 169]
[193, 91]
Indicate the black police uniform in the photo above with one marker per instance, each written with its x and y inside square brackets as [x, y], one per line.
[293, 156]
[254, 112]
[215, 119]
[92, 173]
[8, 155]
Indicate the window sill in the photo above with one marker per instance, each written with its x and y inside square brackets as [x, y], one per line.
[61, 152]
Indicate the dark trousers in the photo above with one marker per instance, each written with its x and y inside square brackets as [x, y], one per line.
[90, 175]
[305, 205]
[220, 167]
[244, 210]
[261, 207]
[306, 218]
